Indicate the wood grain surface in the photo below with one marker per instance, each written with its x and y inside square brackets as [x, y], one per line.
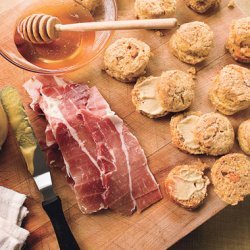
[164, 223]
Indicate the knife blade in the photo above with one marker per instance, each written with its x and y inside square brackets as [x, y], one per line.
[36, 164]
[42, 175]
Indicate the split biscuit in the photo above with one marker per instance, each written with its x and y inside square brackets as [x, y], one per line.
[146, 99]
[244, 136]
[147, 9]
[187, 185]
[154, 97]
[238, 43]
[182, 128]
[230, 92]
[202, 6]
[194, 133]
[231, 177]
[126, 59]
[192, 42]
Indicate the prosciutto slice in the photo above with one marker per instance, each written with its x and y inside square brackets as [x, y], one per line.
[106, 165]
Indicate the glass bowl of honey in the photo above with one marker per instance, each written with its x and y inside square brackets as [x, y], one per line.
[71, 51]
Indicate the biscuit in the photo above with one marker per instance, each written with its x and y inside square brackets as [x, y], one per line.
[230, 92]
[126, 59]
[244, 136]
[182, 128]
[201, 6]
[231, 178]
[91, 5]
[194, 133]
[154, 97]
[215, 134]
[238, 43]
[147, 9]
[192, 42]
[176, 90]
[146, 99]
[187, 185]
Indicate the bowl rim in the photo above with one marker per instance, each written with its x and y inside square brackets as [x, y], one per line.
[68, 69]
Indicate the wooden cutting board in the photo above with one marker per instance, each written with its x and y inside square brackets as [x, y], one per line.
[164, 223]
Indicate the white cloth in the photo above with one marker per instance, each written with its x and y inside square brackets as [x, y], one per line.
[12, 213]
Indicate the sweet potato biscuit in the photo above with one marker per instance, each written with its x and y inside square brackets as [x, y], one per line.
[126, 59]
[192, 42]
[176, 90]
[231, 177]
[230, 92]
[244, 136]
[215, 134]
[146, 9]
[238, 43]
[187, 185]
[201, 6]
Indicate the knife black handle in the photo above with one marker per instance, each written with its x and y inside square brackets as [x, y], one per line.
[64, 236]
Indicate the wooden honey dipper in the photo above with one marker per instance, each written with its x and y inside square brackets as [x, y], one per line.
[41, 28]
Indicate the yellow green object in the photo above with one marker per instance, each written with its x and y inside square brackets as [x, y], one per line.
[19, 122]
[3, 126]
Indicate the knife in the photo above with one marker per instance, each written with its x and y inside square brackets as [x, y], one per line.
[37, 166]
[52, 203]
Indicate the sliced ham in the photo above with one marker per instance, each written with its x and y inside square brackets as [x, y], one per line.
[105, 161]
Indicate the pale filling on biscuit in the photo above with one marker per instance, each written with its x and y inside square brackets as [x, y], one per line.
[187, 183]
[149, 101]
[186, 129]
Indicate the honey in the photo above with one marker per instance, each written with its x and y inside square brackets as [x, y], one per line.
[69, 48]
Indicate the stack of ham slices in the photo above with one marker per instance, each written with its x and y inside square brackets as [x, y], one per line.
[105, 164]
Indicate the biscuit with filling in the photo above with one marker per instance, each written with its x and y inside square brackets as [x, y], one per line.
[187, 185]
[182, 128]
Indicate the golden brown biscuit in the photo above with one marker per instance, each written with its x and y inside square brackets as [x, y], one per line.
[126, 59]
[182, 128]
[192, 42]
[215, 134]
[238, 42]
[231, 178]
[201, 6]
[146, 99]
[176, 90]
[187, 185]
[230, 92]
[147, 9]
[244, 136]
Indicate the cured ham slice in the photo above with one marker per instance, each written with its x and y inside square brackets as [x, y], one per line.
[105, 161]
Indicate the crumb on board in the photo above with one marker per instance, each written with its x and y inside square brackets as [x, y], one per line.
[192, 71]
[159, 33]
[231, 4]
